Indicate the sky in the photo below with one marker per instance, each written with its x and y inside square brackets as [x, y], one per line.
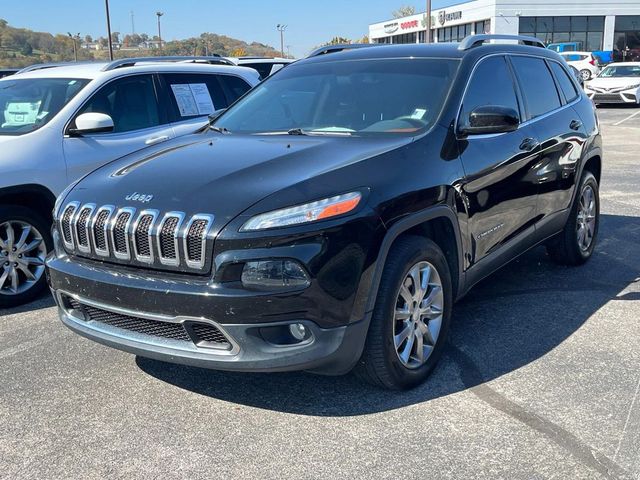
[309, 23]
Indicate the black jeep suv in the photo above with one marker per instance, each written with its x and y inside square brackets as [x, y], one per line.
[330, 218]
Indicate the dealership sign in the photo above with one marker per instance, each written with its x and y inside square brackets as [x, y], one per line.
[391, 27]
[444, 17]
[409, 24]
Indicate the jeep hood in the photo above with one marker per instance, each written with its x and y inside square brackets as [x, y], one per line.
[222, 174]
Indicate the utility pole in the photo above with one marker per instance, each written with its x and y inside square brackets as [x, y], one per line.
[427, 37]
[133, 25]
[281, 29]
[159, 14]
[75, 49]
[106, 4]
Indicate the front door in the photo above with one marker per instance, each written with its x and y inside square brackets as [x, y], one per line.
[132, 103]
[499, 189]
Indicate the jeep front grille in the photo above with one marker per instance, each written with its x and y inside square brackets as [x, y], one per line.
[125, 235]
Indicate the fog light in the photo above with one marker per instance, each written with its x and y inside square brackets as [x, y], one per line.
[274, 273]
[298, 331]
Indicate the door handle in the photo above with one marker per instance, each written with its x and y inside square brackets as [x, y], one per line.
[529, 144]
[575, 125]
[154, 140]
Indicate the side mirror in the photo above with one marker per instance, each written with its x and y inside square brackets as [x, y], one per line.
[491, 119]
[576, 73]
[92, 122]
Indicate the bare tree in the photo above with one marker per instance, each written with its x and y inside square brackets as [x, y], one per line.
[404, 11]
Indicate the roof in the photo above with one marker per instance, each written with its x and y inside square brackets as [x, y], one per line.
[93, 70]
[433, 50]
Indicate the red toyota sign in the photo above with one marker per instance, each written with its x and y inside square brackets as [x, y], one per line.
[411, 24]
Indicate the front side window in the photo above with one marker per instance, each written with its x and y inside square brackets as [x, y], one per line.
[28, 104]
[130, 102]
[358, 97]
[537, 85]
[491, 84]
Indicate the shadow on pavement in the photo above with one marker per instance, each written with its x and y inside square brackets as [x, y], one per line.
[512, 318]
[44, 301]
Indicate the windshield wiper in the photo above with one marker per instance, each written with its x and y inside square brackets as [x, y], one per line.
[297, 131]
[219, 129]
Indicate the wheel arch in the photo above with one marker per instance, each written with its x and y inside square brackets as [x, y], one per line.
[33, 196]
[439, 224]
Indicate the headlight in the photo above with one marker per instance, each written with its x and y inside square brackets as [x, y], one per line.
[637, 85]
[309, 212]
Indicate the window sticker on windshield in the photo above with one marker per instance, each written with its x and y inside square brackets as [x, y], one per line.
[17, 114]
[419, 113]
[193, 99]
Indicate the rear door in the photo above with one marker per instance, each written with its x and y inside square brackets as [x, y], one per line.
[548, 94]
[191, 97]
[132, 103]
[499, 189]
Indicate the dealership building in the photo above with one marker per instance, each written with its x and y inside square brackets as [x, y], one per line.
[595, 25]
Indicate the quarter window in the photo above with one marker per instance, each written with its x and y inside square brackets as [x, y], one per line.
[537, 85]
[491, 84]
[129, 101]
[566, 85]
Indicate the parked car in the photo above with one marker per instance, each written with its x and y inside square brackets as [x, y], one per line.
[585, 62]
[617, 83]
[59, 123]
[5, 72]
[331, 217]
[264, 65]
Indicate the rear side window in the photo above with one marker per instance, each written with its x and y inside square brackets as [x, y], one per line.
[491, 84]
[537, 85]
[566, 85]
[264, 69]
[234, 87]
[194, 95]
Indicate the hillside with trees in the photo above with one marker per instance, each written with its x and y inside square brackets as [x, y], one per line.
[20, 47]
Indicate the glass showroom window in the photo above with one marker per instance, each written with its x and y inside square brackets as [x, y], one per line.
[626, 44]
[587, 31]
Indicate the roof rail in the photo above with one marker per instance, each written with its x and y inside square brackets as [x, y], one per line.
[42, 66]
[475, 40]
[340, 47]
[130, 62]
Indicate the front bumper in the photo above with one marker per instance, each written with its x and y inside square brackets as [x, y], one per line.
[115, 314]
[628, 96]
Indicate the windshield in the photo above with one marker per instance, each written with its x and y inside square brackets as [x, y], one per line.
[28, 104]
[374, 97]
[621, 71]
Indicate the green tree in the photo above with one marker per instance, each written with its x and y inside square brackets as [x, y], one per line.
[26, 49]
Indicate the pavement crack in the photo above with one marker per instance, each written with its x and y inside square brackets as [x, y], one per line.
[473, 379]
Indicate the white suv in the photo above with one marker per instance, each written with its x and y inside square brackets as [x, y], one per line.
[59, 122]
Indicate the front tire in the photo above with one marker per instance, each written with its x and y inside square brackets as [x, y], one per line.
[25, 239]
[575, 244]
[411, 316]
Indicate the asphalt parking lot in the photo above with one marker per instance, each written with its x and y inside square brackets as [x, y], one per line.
[541, 379]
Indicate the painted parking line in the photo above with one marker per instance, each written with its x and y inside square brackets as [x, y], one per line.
[627, 118]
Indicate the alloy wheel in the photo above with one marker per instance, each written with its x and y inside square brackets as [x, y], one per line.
[22, 255]
[418, 315]
[586, 219]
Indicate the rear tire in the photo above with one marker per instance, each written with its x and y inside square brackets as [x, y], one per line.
[575, 244]
[25, 239]
[406, 318]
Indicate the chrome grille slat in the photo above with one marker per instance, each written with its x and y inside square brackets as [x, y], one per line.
[120, 233]
[195, 240]
[167, 239]
[143, 236]
[124, 234]
[100, 228]
[65, 224]
[82, 227]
